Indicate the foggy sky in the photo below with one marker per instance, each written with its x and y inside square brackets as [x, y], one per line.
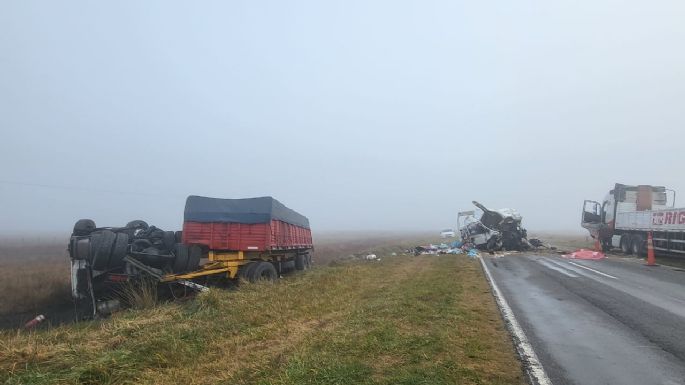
[358, 114]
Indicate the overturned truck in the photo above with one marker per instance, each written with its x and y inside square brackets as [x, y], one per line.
[254, 239]
[495, 230]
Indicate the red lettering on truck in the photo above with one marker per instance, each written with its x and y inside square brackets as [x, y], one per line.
[668, 218]
[657, 218]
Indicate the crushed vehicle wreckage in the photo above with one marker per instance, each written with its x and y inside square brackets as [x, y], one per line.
[223, 240]
[495, 230]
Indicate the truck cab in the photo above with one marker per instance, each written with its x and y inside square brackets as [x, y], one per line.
[599, 218]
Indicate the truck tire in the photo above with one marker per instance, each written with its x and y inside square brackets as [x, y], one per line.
[95, 241]
[245, 270]
[79, 248]
[119, 250]
[300, 261]
[138, 224]
[169, 240]
[638, 245]
[141, 244]
[83, 227]
[194, 255]
[264, 271]
[181, 261]
[606, 246]
[135, 226]
[102, 253]
[626, 247]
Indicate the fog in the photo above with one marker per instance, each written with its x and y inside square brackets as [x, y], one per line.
[361, 115]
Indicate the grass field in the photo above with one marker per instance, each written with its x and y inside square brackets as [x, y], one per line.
[404, 320]
[346, 245]
[34, 273]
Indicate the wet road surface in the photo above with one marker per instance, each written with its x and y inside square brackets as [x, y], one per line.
[611, 321]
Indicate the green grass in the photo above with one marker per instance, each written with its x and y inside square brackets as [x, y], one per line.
[405, 320]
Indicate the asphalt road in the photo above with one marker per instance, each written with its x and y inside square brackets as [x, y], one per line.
[611, 321]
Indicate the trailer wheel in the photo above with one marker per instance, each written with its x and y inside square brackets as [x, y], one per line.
[194, 255]
[101, 254]
[308, 261]
[245, 270]
[626, 245]
[83, 227]
[300, 263]
[264, 271]
[638, 245]
[119, 250]
[181, 261]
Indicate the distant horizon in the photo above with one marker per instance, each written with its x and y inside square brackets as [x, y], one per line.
[33, 236]
[385, 115]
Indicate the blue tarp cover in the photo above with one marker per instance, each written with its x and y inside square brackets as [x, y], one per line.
[248, 210]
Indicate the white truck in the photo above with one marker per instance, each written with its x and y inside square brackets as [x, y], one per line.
[629, 213]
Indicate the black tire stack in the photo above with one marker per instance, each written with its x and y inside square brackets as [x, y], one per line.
[106, 248]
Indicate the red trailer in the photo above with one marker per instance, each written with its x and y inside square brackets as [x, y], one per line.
[253, 224]
[240, 234]
[275, 235]
[255, 239]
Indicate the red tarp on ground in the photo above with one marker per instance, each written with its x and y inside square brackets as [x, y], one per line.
[585, 254]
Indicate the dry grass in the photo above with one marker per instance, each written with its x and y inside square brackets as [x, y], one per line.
[405, 320]
[34, 273]
[346, 245]
[141, 294]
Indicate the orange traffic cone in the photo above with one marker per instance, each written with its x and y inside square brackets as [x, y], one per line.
[651, 261]
[598, 246]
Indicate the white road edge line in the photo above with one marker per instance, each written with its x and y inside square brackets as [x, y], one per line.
[533, 367]
[593, 270]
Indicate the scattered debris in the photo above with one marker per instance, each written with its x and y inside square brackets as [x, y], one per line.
[585, 254]
[34, 322]
[108, 307]
[537, 243]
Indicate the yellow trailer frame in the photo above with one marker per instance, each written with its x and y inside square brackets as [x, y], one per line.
[228, 263]
[219, 262]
